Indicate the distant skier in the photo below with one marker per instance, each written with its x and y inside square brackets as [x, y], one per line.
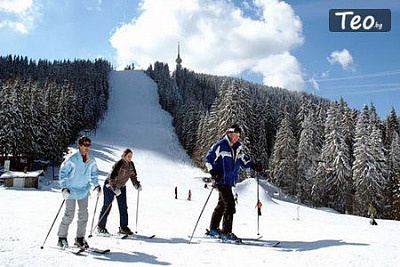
[258, 206]
[223, 162]
[77, 173]
[189, 195]
[115, 186]
[236, 198]
[372, 214]
[176, 192]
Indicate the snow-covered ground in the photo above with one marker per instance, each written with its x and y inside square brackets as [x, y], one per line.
[309, 237]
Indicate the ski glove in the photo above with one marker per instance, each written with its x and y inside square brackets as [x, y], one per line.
[65, 193]
[97, 188]
[216, 175]
[117, 191]
[137, 186]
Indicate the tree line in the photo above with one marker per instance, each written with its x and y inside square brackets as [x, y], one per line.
[45, 105]
[318, 151]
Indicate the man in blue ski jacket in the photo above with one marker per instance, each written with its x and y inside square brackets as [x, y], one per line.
[78, 173]
[223, 161]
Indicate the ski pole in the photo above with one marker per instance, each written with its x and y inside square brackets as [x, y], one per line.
[101, 218]
[258, 206]
[94, 214]
[190, 240]
[51, 227]
[137, 211]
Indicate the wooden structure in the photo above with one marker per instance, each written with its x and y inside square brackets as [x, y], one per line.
[22, 179]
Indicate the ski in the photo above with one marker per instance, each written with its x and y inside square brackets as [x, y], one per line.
[259, 243]
[126, 236]
[244, 241]
[74, 250]
[81, 251]
[258, 238]
[97, 250]
[77, 251]
[136, 236]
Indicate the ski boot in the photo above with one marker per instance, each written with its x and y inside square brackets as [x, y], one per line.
[229, 237]
[81, 243]
[214, 233]
[125, 230]
[101, 230]
[62, 242]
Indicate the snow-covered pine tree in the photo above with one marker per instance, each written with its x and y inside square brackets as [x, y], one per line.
[283, 165]
[391, 125]
[11, 118]
[258, 131]
[367, 172]
[393, 192]
[332, 183]
[309, 150]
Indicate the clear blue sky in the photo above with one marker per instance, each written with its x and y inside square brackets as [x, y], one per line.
[286, 44]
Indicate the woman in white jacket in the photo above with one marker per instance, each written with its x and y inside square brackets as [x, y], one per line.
[78, 173]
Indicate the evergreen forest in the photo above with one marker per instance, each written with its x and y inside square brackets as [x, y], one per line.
[320, 152]
[45, 105]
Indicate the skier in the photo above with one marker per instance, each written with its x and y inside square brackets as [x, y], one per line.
[258, 206]
[223, 161]
[372, 214]
[77, 173]
[115, 186]
[189, 195]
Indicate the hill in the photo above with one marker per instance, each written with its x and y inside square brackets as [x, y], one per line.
[309, 237]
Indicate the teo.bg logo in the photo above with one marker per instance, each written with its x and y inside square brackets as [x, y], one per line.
[359, 20]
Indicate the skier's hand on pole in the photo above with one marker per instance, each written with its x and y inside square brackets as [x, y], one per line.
[65, 193]
[97, 189]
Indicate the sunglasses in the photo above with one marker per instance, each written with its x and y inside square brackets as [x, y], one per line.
[86, 144]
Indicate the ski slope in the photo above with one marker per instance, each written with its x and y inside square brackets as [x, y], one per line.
[309, 237]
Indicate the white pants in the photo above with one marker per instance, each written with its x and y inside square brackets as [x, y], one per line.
[69, 213]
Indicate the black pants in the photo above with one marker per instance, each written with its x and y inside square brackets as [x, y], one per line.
[225, 208]
[122, 206]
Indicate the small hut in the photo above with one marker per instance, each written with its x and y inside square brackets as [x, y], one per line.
[22, 179]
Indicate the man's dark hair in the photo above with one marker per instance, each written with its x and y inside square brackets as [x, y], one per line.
[84, 139]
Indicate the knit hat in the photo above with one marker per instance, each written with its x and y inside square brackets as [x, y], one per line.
[235, 128]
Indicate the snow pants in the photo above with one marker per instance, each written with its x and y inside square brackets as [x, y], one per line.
[83, 214]
[122, 206]
[224, 209]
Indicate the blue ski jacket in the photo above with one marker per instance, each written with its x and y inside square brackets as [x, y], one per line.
[77, 175]
[227, 160]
